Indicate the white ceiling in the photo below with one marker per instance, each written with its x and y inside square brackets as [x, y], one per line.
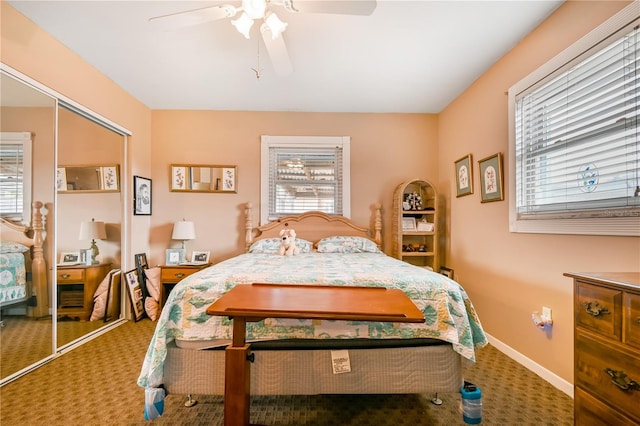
[407, 57]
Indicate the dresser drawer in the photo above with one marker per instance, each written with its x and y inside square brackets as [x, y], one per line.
[70, 275]
[599, 309]
[173, 275]
[631, 324]
[596, 363]
[592, 412]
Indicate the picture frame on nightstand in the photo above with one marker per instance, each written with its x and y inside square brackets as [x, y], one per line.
[200, 257]
[174, 256]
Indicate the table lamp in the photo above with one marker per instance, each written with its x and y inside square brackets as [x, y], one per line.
[93, 231]
[183, 230]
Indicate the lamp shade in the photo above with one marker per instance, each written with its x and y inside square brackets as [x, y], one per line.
[92, 230]
[183, 230]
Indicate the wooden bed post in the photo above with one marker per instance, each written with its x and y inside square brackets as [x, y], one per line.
[38, 264]
[377, 225]
[248, 226]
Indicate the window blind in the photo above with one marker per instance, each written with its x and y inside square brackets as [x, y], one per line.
[12, 182]
[577, 137]
[303, 179]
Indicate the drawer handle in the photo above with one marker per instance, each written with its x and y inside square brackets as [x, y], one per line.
[65, 276]
[595, 310]
[179, 274]
[621, 380]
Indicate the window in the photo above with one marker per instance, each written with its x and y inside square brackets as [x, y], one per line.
[575, 149]
[15, 176]
[304, 173]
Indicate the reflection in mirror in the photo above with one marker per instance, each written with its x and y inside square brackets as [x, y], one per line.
[27, 328]
[90, 194]
[87, 178]
[203, 178]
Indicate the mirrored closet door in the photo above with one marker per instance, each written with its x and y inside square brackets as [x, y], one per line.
[81, 239]
[89, 224]
[27, 158]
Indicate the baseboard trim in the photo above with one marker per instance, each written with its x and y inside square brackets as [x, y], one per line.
[555, 380]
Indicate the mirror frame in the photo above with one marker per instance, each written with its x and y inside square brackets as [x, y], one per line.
[107, 178]
[181, 178]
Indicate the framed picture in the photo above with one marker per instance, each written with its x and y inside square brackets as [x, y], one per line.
[200, 257]
[491, 180]
[61, 179]
[142, 194]
[110, 178]
[408, 223]
[135, 293]
[448, 272]
[141, 265]
[179, 177]
[70, 258]
[464, 176]
[229, 179]
[174, 256]
[112, 304]
[424, 226]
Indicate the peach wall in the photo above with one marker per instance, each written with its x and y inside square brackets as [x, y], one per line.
[386, 149]
[82, 142]
[509, 275]
[33, 52]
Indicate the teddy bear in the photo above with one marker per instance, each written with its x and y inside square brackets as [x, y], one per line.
[288, 243]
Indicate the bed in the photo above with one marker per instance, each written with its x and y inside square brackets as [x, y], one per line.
[23, 269]
[293, 357]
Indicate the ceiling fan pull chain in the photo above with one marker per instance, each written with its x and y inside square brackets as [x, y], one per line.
[258, 70]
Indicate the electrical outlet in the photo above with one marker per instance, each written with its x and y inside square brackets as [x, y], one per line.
[546, 314]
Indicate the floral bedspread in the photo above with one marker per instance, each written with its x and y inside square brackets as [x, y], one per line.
[449, 314]
[13, 278]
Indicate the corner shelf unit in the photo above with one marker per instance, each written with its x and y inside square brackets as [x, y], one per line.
[418, 247]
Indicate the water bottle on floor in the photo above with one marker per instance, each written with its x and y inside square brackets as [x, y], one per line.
[471, 404]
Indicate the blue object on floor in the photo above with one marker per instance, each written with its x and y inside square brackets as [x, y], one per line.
[471, 404]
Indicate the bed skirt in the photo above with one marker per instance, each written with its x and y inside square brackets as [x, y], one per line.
[424, 369]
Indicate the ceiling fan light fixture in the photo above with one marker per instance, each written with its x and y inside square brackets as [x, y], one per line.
[254, 9]
[275, 25]
[243, 24]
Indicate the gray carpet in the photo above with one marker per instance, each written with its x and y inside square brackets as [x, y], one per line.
[95, 384]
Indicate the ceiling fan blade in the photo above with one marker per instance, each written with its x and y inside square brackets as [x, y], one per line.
[277, 50]
[193, 17]
[339, 7]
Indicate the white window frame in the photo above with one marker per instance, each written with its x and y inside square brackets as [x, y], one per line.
[268, 142]
[617, 224]
[24, 139]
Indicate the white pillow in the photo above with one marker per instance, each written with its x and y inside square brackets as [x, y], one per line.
[347, 244]
[272, 246]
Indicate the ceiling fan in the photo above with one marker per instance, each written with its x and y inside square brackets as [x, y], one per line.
[272, 27]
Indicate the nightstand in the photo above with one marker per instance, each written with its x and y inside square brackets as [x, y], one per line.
[171, 275]
[76, 285]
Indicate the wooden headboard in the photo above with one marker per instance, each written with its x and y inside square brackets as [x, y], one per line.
[33, 236]
[313, 226]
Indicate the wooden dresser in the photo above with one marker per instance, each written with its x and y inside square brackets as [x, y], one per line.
[171, 275]
[607, 348]
[76, 286]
